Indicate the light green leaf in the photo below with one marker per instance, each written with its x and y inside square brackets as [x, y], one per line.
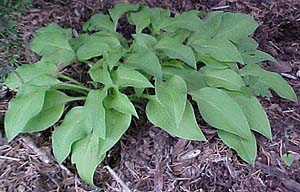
[167, 107]
[94, 113]
[52, 42]
[145, 60]
[219, 110]
[140, 19]
[117, 123]
[120, 102]
[29, 73]
[21, 109]
[287, 159]
[159, 17]
[256, 56]
[71, 130]
[254, 112]
[124, 77]
[86, 156]
[220, 49]
[176, 50]
[193, 79]
[96, 45]
[120, 9]
[188, 127]
[246, 148]
[100, 73]
[52, 110]
[144, 40]
[272, 80]
[99, 22]
[223, 78]
[236, 26]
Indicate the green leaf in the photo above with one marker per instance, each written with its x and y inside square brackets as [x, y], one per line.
[52, 110]
[167, 107]
[140, 19]
[29, 72]
[120, 9]
[272, 80]
[254, 112]
[144, 40]
[220, 49]
[145, 60]
[85, 154]
[71, 130]
[117, 123]
[97, 44]
[246, 148]
[78, 41]
[120, 102]
[257, 87]
[124, 77]
[256, 56]
[99, 22]
[236, 26]
[213, 63]
[21, 109]
[219, 110]
[223, 78]
[176, 50]
[52, 42]
[100, 73]
[193, 79]
[187, 20]
[94, 113]
[188, 127]
[212, 22]
[159, 16]
[246, 44]
[287, 159]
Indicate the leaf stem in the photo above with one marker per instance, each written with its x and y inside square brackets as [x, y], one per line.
[77, 88]
[69, 79]
[77, 98]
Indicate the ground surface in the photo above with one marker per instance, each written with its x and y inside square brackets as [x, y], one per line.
[148, 159]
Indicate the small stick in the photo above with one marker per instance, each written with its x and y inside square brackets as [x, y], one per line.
[118, 179]
[9, 158]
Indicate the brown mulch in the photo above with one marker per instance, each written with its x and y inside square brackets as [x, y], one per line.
[147, 158]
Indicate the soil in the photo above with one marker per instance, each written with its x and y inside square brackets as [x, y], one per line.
[147, 158]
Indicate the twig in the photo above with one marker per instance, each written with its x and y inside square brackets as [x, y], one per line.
[118, 179]
[9, 158]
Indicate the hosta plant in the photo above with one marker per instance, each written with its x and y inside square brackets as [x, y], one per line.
[211, 59]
